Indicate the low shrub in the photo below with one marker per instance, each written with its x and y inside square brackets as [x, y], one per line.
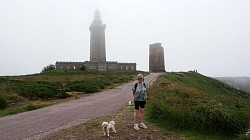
[72, 87]
[221, 119]
[85, 86]
[62, 94]
[3, 102]
[2, 79]
[33, 92]
[36, 90]
[91, 88]
[44, 92]
[99, 83]
[14, 98]
[31, 107]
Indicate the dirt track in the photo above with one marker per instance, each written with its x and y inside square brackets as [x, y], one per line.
[39, 123]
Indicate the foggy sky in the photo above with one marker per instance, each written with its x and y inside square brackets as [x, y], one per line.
[212, 36]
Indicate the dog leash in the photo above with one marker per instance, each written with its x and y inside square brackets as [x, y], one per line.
[121, 112]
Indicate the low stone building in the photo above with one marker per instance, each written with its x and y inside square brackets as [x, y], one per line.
[61, 65]
[96, 66]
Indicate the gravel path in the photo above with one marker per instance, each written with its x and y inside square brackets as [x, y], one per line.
[39, 123]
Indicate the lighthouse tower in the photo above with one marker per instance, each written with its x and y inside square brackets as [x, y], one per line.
[97, 39]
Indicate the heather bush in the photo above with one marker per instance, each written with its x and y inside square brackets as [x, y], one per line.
[91, 88]
[36, 89]
[3, 102]
[31, 107]
[62, 94]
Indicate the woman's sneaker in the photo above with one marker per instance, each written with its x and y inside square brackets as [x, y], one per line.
[136, 127]
[142, 125]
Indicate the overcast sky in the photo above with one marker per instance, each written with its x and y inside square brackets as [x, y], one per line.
[212, 36]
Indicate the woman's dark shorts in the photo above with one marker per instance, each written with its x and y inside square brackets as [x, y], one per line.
[140, 104]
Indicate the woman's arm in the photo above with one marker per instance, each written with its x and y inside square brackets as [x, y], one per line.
[132, 97]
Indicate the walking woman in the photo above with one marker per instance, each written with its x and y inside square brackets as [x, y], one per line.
[139, 96]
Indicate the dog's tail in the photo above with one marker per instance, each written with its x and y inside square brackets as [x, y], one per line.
[112, 122]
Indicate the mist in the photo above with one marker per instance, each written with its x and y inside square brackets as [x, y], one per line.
[212, 36]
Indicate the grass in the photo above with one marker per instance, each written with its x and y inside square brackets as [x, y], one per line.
[23, 108]
[200, 107]
[17, 92]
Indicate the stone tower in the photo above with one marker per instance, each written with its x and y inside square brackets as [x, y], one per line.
[97, 39]
[156, 58]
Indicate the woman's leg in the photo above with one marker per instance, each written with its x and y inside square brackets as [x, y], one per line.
[142, 115]
[136, 126]
[135, 116]
[142, 105]
[136, 111]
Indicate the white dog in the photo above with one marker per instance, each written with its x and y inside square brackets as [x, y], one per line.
[107, 126]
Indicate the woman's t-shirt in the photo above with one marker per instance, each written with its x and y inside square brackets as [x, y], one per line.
[139, 91]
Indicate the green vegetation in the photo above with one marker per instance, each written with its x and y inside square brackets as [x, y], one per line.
[49, 67]
[199, 106]
[22, 108]
[3, 102]
[54, 84]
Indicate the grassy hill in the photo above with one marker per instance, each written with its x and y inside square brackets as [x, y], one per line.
[199, 106]
[29, 92]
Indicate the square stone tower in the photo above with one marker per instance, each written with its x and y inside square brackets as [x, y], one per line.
[97, 39]
[156, 58]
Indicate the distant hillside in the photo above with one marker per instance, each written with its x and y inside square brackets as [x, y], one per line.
[242, 83]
